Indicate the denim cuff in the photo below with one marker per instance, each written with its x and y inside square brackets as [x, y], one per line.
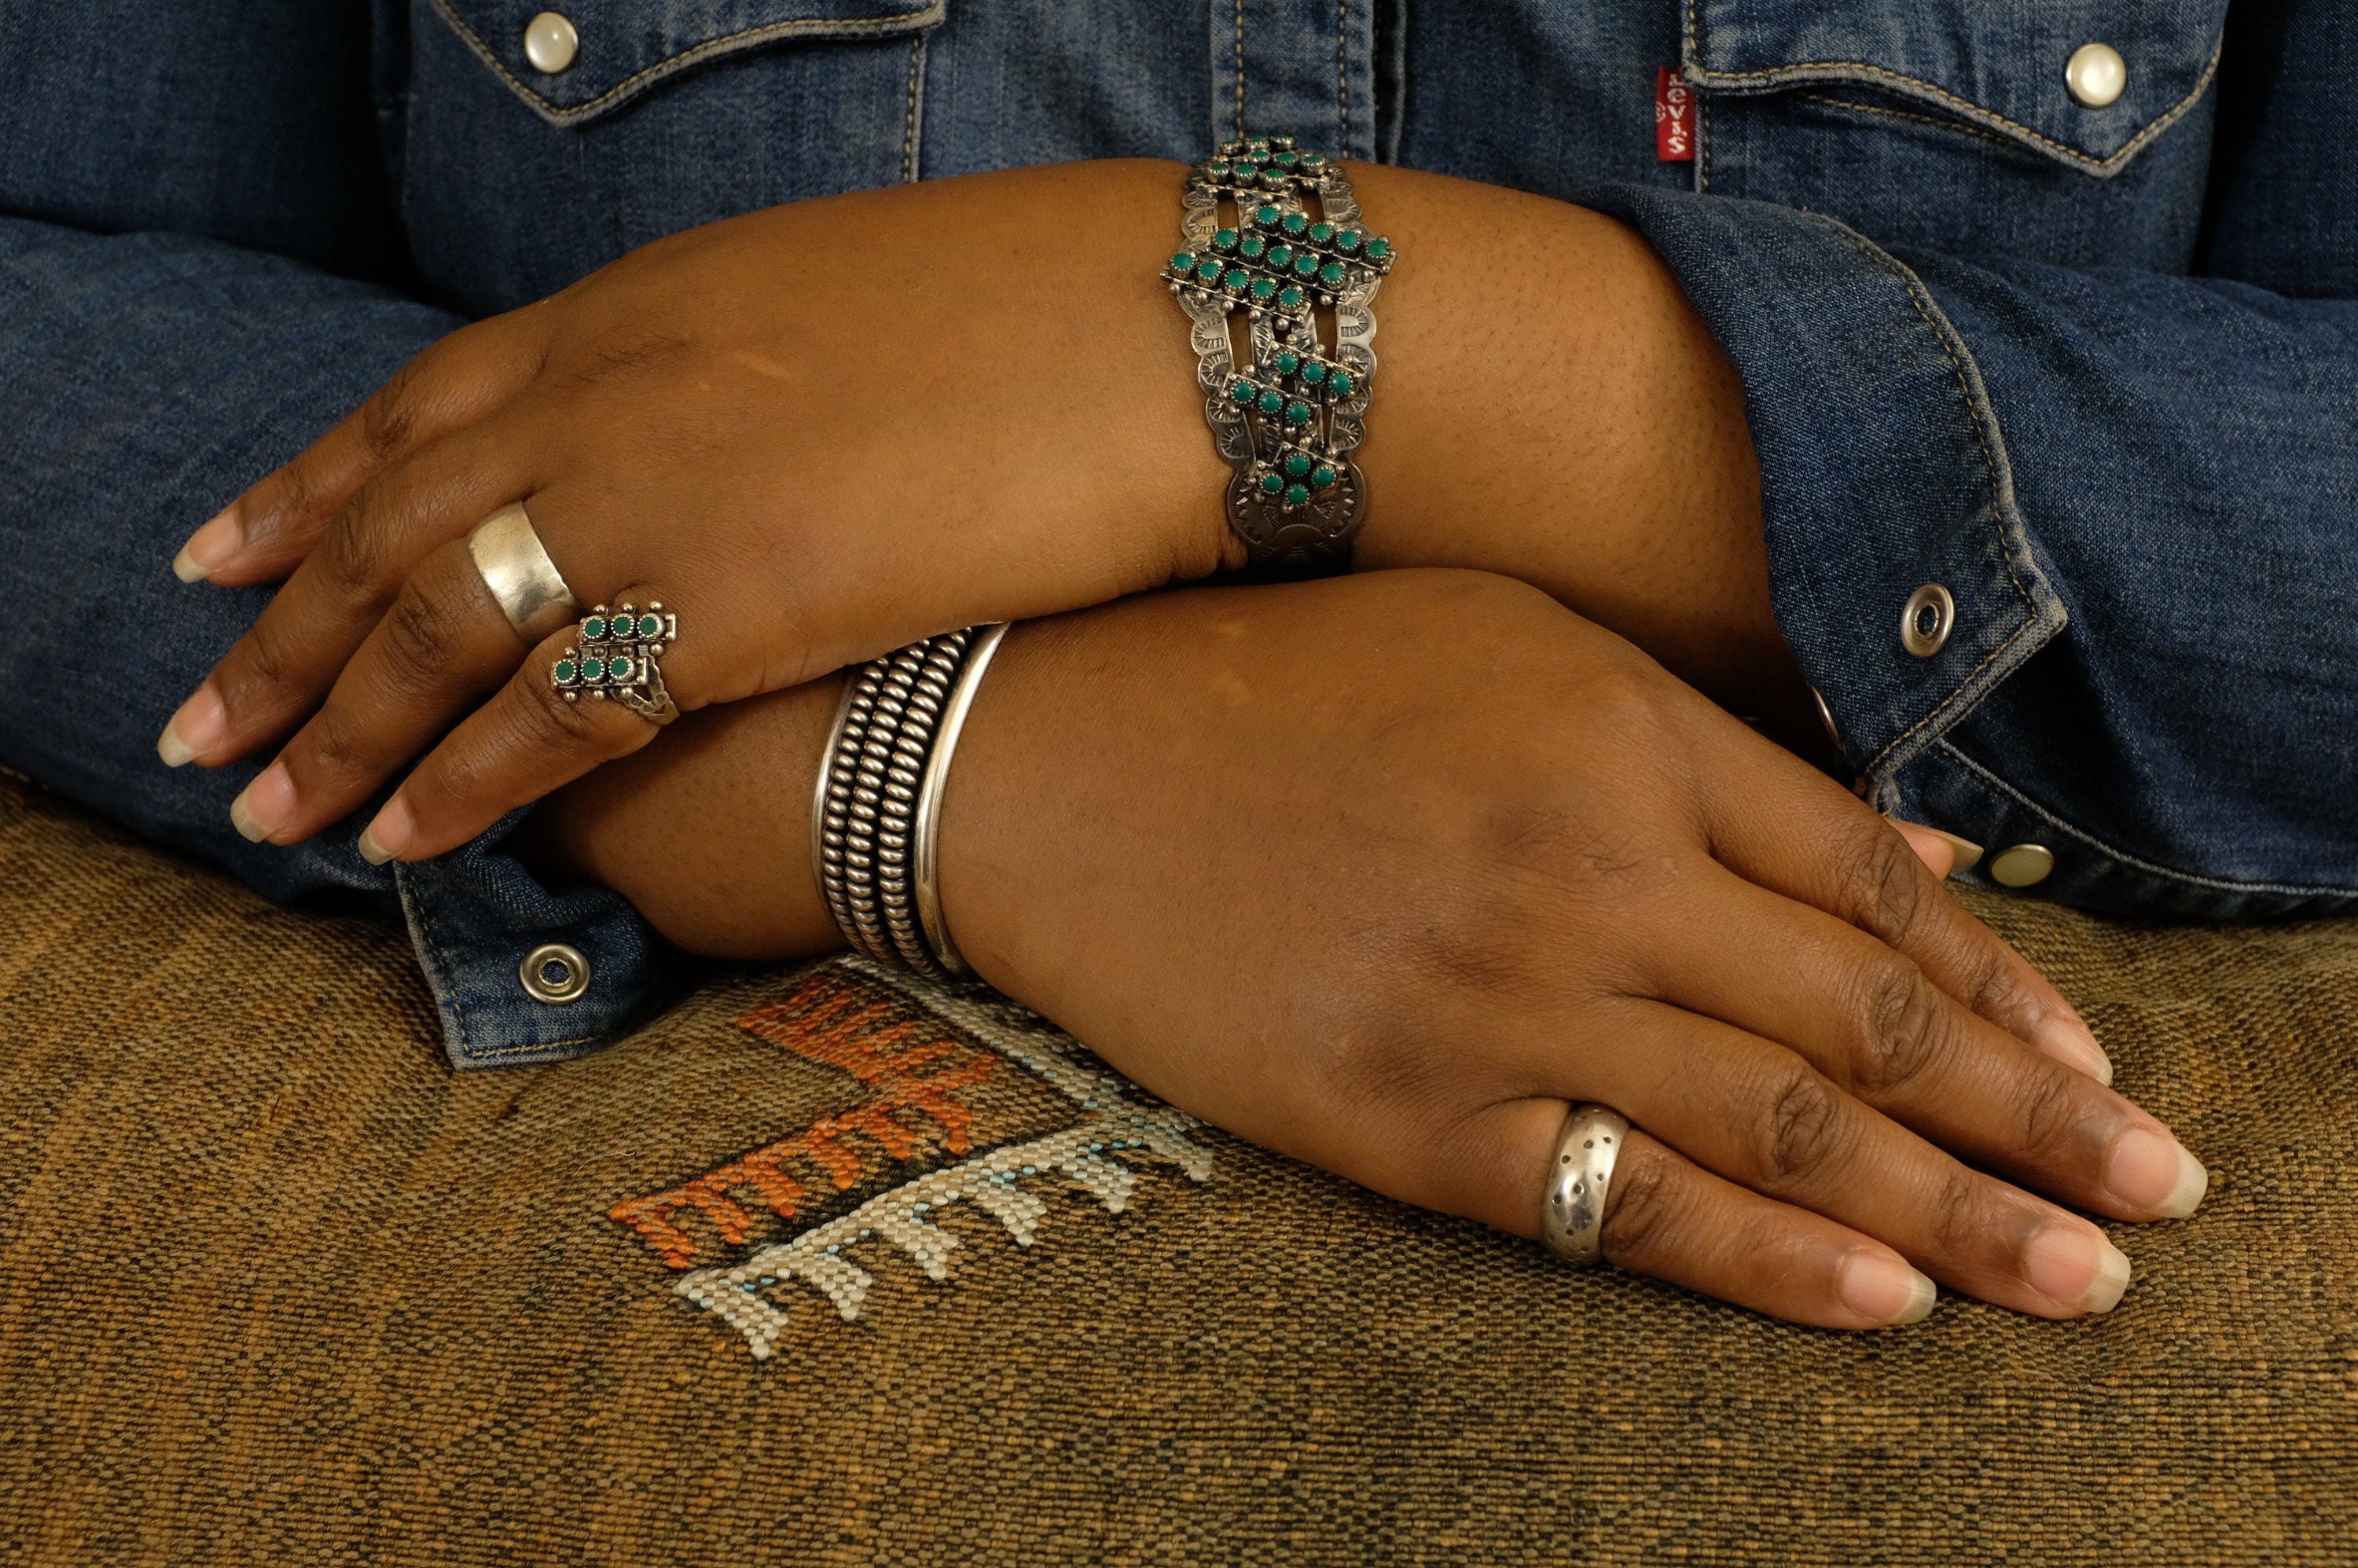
[477, 917]
[1882, 469]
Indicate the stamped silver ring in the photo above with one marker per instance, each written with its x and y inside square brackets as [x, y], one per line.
[523, 580]
[1572, 1214]
[613, 659]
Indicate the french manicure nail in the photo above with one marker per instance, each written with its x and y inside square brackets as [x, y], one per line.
[2152, 1171]
[389, 835]
[263, 807]
[1883, 1289]
[2070, 1041]
[209, 546]
[2076, 1268]
[196, 727]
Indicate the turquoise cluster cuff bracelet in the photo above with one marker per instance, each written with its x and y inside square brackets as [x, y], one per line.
[1273, 234]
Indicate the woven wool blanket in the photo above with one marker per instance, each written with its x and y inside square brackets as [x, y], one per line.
[822, 1266]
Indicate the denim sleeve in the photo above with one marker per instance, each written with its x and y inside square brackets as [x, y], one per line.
[2135, 488]
[145, 379]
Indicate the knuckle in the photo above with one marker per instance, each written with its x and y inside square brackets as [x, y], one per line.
[1904, 1027]
[263, 663]
[390, 418]
[1882, 885]
[2049, 1114]
[1805, 1131]
[352, 552]
[1641, 1208]
[545, 721]
[333, 748]
[1959, 1224]
[421, 634]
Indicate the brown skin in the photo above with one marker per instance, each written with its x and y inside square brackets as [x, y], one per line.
[829, 429]
[1382, 871]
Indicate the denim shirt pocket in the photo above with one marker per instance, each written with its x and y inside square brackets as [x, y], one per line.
[625, 47]
[2001, 69]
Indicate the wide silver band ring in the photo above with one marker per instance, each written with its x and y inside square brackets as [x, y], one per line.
[612, 659]
[523, 580]
[1572, 1214]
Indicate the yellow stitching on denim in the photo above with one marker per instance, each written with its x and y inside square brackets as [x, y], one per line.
[851, 27]
[916, 92]
[1342, 78]
[1978, 133]
[1965, 105]
[1240, 69]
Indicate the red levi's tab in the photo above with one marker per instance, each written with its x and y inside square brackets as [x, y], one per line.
[1674, 116]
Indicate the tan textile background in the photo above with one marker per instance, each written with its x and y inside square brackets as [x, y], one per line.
[280, 1286]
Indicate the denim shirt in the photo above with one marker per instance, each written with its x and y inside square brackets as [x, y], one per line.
[2087, 366]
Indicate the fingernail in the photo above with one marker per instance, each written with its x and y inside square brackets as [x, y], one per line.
[389, 835]
[209, 546]
[1883, 1289]
[196, 727]
[263, 807]
[2069, 1040]
[2076, 1268]
[1968, 853]
[2151, 1170]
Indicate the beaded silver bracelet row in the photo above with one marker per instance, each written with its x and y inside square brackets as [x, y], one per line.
[876, 809]
[1274, 234]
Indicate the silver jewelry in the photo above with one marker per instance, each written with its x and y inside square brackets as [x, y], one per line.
[613, 656]
[515, 567]
[1571, 1213]
[930, 922]
[871, 785]
[1289, 420]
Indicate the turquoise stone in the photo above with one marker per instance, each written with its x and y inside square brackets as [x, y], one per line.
[1295, 495]
[1306, 265]
[1295, 222]
[1270, 484]
[1253, 247]
[1312, 160]
[1270, 402]
[1297, 413]
[1288, 362]
[593, 669]
[1347, 241]
[1217, 170]
[620, 669]
[566, 671]
[1296, 465]
[1280, 255]
[1315, 372]
[1321, 477]
[1339, 385]
[1235, 282]
[1331, 275]
[1289, 298]
[1287, 160]
[1379, 249]
[1322, 232]
[1263, 290]
[1209, 271]
[1242, 391]
[594, 628]
[1265, 216]
[1184, 261]
[650, 625]
[1225, 240]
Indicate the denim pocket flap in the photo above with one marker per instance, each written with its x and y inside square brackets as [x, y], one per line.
[2006, 68]
[577, 58]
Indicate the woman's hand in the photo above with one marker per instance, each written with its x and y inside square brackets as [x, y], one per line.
[1382, 872]
[815, 433]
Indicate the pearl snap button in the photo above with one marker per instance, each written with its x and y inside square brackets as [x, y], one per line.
[550, 42]
[1925, 620]
[2095, 74]
[555, 973]
[2019, 865]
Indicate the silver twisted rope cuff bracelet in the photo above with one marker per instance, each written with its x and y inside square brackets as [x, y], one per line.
[1288, 419]
[876, 807]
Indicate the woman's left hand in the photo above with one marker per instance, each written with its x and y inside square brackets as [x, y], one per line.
[815, 433]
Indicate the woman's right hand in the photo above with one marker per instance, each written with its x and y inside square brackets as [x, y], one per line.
[1382, 871]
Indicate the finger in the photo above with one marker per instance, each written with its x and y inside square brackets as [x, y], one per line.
[1944, 854]
[278, 673]
[1874, 1023]
[1666, 1217]
[451, 384]
[443, 644]
[526, 740]
[1758, 1114]
[1796, 832]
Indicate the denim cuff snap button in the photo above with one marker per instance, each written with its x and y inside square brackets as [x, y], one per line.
[2095, 74]
[550, 42]
[555, 973]
[2021, 865]
[1924, 624]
